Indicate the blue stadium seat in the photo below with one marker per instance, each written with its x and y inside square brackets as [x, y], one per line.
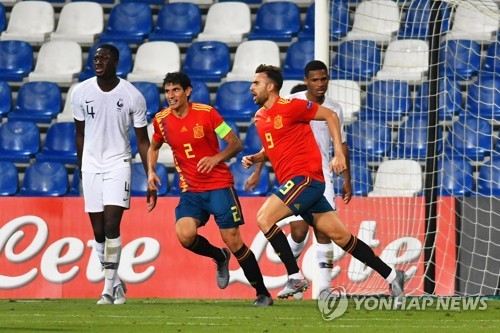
[5, 99]
[200, 94]
[234, 101]
[107, 2]
[415, 24]
[9, 181]
[462, 59]
[2, 17]
[149, 2]
[251, 143]
[236, 130]
[454, 177]
[245, 1]
[178, 22]
[16, 60]
[241, 175]
[356, 60]
[74, 188]
[339, 25]
[208, 61]
[60, 145]
[370, 140]
[298, 54]
[124, 65]
[483, 98]
[128, 22]
[470, 137]
[39, 101]
[450, 99]
[386, 101]
[412, 139]
[139, 180]
[278, 21]
[19, 141]
[488, 179]
[45, 179]
[152, 96]
[491, 65]
[361, 179]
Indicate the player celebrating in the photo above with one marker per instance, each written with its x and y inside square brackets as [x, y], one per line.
[288, 142]
[191, 129]
[316, 84]
[104, 108]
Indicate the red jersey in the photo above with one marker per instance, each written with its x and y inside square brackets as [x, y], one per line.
[288, 139]
[191, 138]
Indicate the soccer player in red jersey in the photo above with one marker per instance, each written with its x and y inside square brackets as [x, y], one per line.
[289, 144]
[191, 129]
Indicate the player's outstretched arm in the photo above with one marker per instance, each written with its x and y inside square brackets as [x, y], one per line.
[346, 187]
[153, 179]
[143, 145]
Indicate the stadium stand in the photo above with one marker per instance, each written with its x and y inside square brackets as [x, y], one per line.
[5, 99]
[278, 21]
[152, 96]
[241, 174]
[178, 22]
[397, 178]
[234, 101]
[45, 179]
[356, 60]
[19, 141]
[298, 54]
[139, 180]
[9, 182]
[454, 176]
[30, 21]
[386, 100]
[152, 63]
[39, 102]
[16, 60]
[128, 22]
[208, 61]
[60, 144]
[462, 59]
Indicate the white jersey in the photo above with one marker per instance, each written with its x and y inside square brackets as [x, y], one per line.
[108, 117]
[322, 134]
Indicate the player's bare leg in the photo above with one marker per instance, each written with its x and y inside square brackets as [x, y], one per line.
[248, 264]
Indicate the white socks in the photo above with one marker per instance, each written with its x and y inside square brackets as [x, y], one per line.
[324, 256]
[296, 247]
[109, 254]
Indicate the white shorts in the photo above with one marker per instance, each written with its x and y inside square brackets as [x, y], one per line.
[106, 189]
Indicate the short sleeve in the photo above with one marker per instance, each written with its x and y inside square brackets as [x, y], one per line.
[76, 105]
[139, 110]
[304, 111]
[157, 135]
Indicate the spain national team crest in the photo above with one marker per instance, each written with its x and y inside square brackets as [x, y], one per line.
[278, 122]
[198, 132]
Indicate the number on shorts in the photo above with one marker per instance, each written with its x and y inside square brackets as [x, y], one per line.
[287, 187]
[236, 214]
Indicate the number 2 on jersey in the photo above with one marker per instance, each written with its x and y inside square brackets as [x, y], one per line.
[188, 150]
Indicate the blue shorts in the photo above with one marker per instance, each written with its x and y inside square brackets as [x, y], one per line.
[304, 196]
[223, 204]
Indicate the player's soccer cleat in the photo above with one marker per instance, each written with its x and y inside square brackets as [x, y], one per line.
[293, 286]
[263, 300]
[105, 300]
[223, 270]
[119, 293]
[397, 288]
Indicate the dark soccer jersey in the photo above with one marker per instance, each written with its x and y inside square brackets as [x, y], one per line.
[191, 138]
[287, 137]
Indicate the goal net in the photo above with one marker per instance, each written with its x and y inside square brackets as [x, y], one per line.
[419, 83]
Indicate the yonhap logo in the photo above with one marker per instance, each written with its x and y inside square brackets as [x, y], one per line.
[332, 303]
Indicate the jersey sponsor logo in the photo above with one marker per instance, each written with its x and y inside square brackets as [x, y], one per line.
[278, 122]
[198, 132]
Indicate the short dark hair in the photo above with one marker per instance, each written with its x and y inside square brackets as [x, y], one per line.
[315, 65]
[177, 78]
[298, 87]
[273, 72]
[113, 50]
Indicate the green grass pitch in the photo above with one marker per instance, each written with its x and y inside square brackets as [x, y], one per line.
[227, 316]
